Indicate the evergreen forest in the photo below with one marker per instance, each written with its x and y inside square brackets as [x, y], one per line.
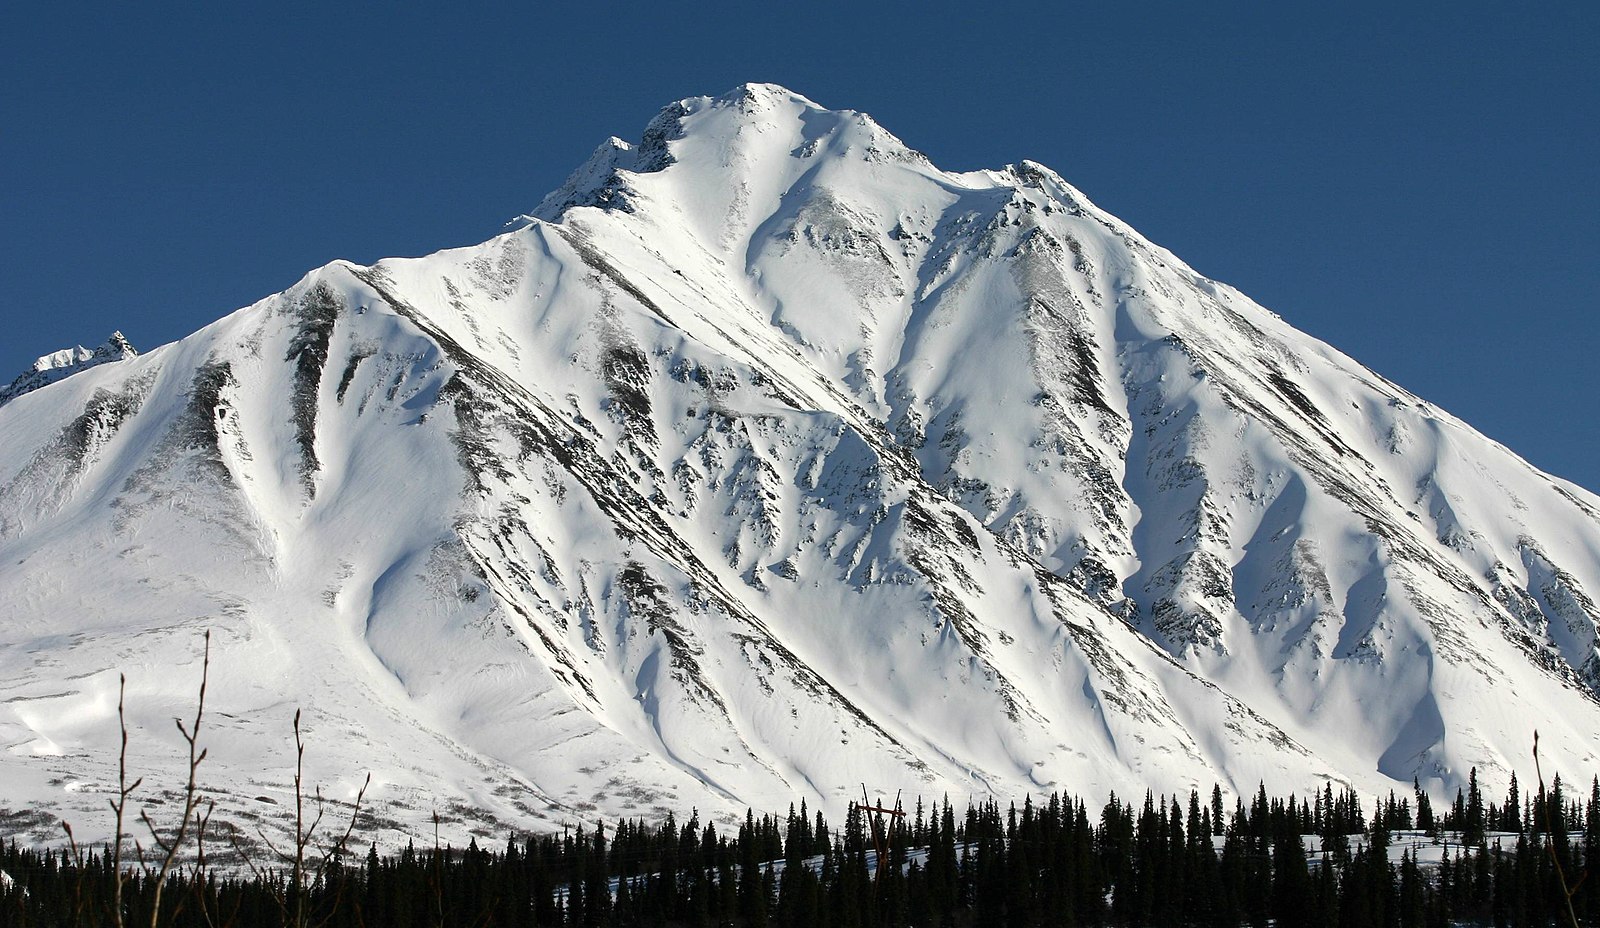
[1319, 860]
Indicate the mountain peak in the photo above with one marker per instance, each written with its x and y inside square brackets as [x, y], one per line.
[754, 95]
[64, 363]
[753, 128]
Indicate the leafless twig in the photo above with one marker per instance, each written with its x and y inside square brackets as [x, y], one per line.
[292, 902]
[119, 806]
[336, 850]
[435, 873]
[1567, 891]
[78, 868]
[171, 846]
[202, 871]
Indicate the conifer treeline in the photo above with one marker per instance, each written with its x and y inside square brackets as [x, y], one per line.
[1188, 861]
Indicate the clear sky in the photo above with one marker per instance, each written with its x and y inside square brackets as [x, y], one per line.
[1417, 184]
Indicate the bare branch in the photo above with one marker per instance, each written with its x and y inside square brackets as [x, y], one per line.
[191, 794]
[120, 804]
[337, 849]
[283, 856]
[1568, 891]
[77, 861]
[292, 898]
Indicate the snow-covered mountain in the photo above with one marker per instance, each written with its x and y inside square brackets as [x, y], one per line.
[762, 461]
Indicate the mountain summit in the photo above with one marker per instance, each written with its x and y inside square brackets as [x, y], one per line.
[760, 460]
[64, 363]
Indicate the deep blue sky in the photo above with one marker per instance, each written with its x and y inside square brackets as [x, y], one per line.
[1419, 187]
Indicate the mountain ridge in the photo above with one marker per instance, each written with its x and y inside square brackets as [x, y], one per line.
[64, 363]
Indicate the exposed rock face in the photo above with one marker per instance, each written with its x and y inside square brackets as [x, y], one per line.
[65, 363]
[762, 460]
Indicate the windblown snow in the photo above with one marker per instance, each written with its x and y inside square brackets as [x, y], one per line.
[765, 459]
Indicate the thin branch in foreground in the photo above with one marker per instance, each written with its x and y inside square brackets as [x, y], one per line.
[77, 883]
[119, 806]
[170, 847]
[1567, 890]
[336, 851]
[292, 895]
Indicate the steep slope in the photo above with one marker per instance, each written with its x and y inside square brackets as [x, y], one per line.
[762, 460]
